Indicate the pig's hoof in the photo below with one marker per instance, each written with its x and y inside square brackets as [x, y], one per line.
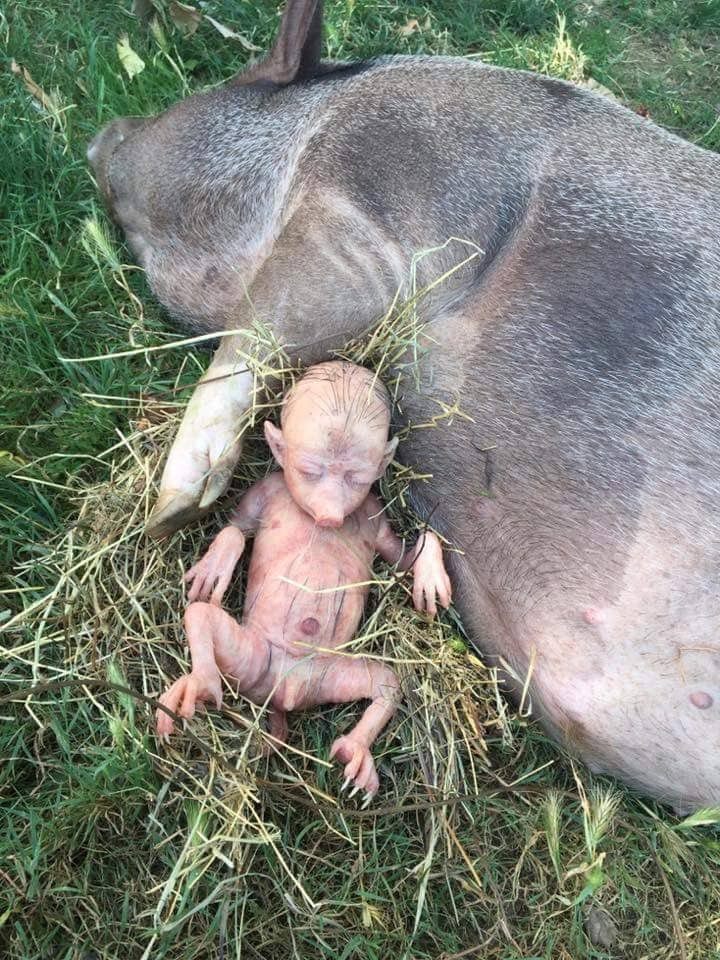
[172, 512]
[175, 508]
[221, 473]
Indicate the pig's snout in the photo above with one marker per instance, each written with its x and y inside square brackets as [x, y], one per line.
[102, 146]
[327, 512]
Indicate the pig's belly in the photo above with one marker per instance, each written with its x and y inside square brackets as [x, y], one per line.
[631, 685]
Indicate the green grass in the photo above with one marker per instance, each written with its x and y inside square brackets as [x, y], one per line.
[93, 822]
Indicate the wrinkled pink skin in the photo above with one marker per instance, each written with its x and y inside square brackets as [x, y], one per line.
[317, 529]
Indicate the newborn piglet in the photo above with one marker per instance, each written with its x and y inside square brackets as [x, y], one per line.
[317, 528]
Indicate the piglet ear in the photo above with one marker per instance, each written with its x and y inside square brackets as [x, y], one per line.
[275, 441]
[390, 449]
[296, 52]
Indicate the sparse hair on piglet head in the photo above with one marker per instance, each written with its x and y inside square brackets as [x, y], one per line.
[356, 395]
[337, 415]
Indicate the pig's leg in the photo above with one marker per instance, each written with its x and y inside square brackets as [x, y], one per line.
[207, 446]
[218, 645]
[345, 680]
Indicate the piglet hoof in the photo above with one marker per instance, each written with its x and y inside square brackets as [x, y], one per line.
[359, 765]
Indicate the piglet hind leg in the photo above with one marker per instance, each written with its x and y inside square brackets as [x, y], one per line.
[218, 645]
[345, 680]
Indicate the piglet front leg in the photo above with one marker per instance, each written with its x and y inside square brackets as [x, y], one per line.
[431, 583]
[210, 577]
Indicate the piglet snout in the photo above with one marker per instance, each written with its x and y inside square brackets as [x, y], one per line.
[334, 522]
[326, 511]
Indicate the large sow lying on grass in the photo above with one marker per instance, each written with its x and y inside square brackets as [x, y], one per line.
[580, 336]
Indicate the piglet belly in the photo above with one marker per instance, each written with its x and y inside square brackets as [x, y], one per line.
[319, 607]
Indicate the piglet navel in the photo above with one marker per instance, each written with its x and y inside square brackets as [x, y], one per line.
[701, 699]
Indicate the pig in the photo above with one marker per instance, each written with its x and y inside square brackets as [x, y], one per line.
[317, 527]
[578, 334]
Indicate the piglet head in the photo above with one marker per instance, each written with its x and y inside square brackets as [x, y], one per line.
[333, 443]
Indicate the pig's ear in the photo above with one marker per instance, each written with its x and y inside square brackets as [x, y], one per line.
[275, 441]
[296, 52]
[390, 449]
